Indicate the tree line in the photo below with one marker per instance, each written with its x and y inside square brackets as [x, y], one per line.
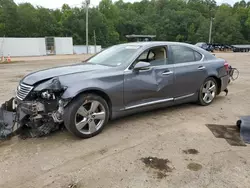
[170, 20]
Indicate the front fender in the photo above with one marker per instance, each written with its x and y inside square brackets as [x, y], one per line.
[113, 89]
[74, 91]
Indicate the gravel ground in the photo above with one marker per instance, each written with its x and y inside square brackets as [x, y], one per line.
[169, 147]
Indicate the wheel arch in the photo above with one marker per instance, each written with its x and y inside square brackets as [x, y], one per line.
[218, 81]
[99, 93]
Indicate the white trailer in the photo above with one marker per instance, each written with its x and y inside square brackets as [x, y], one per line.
[18, 47]
[82, 49]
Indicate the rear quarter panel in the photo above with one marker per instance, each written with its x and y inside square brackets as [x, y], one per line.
[216, 67]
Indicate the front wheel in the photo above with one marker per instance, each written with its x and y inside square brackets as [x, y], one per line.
[208, 91]
[86, 115]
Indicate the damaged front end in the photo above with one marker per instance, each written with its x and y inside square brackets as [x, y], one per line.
[34, 112]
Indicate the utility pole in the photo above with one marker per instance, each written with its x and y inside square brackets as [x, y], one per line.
[87, 25]
[95, 41]
[210, 31]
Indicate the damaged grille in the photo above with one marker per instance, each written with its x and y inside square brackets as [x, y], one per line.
[23, 90]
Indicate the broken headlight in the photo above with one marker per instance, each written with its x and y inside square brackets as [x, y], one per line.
[48, 89]
[50, 85]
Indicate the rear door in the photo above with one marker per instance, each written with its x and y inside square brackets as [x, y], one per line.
[190, 70]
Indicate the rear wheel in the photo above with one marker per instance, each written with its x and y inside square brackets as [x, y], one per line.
[86, 115]
[208, 91]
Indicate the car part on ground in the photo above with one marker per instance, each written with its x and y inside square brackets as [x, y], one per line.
[233, 73]
[244, 125]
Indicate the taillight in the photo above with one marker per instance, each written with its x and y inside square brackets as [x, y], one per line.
[226, 65]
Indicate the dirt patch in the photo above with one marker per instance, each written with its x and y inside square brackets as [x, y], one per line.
[191, 151]
[19, 76]
[73, 185]
[158, 164]
[161, 175]
[4, 143]
[194, 166]
[230, 133]
[103, 151]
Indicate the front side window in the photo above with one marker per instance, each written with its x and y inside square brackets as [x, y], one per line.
[155, 56]
[182, 54]
[115, 56]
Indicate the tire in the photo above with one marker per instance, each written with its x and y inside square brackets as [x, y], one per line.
[204, 89]
[86, 115]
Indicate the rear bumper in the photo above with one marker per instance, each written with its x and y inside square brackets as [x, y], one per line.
[224, 82]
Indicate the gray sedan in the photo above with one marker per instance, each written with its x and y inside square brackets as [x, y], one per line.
[121, 80]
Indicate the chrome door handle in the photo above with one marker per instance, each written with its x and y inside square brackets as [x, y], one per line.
[167, 73]
[201, 68]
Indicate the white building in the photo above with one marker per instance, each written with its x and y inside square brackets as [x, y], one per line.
[36, 46]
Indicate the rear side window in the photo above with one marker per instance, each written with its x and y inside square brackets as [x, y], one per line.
[198, 56]
[182, 54]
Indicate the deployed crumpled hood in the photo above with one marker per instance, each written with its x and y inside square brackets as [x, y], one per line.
[38, 76]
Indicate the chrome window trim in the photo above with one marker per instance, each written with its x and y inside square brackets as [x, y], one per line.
[202, 59]
[168, 45]
[163, 45]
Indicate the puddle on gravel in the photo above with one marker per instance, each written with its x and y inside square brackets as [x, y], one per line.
[103, 151]
[191, 151]
[20, 76]
[161, 166]
[194, 166]
[158, 164]
[230, 133]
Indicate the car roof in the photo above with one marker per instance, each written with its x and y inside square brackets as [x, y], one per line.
[159, 43]
[156, 43]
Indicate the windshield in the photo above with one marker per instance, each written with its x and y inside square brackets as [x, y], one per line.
[114, 56]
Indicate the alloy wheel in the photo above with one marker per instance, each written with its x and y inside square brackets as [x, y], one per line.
[209, 91]
[90, 117]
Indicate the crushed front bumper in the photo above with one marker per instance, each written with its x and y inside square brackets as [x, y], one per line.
[7, 123]
[10, 119]
[30, 118]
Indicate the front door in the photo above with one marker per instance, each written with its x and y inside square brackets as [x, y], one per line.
[190, 71]
[153, 85]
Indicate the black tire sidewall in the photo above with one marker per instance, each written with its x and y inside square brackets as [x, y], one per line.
[72, 108]
[200, 99]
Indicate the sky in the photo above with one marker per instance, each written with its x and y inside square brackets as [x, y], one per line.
[58, 3]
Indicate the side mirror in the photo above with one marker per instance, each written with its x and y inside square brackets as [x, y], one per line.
[141, 65]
